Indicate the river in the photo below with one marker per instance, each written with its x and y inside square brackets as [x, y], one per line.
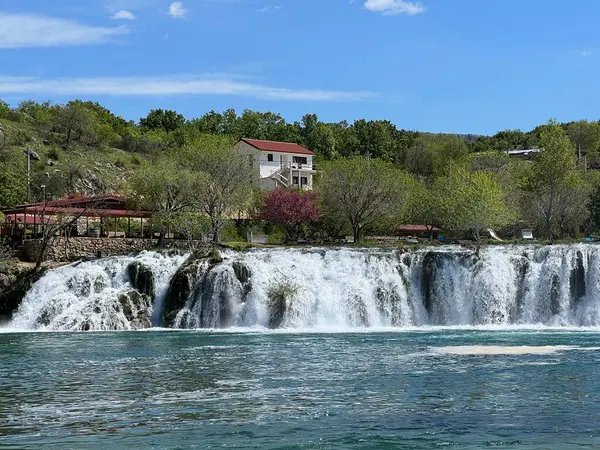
[419, 389]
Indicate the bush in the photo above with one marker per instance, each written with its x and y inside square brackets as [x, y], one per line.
[13, 115]
[4, 108]
[54, 153]
[280, 294]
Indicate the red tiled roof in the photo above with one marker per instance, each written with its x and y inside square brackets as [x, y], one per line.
[281, 147]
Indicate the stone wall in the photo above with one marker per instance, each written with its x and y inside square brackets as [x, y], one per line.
[75, 248]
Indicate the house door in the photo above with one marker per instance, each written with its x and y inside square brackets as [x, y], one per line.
[280, 160]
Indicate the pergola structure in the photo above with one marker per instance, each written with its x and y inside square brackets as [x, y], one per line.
[106, 210]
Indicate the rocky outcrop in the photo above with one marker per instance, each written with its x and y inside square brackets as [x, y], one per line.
[141, 278]
[137, 309]
[15, 281]
[184, 282]
[243, 274]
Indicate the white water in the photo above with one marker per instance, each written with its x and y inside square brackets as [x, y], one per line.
[86, 295]
[557, 286]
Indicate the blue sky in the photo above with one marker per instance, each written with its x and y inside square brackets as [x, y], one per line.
[464, 66]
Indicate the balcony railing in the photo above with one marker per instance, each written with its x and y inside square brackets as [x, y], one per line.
[297, 166]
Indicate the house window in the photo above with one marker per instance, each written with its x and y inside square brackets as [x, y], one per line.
[251, 161]
[294, 180]
[304, 181]
[301, 159]
[270, 157]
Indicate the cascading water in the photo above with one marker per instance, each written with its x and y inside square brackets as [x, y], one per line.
[327, 288]
[95, 295]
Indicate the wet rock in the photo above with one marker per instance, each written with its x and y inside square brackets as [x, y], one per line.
[141, 278]
[243, 274]
[15, 282]
[136, 307]
[577, 279]
[182, 285]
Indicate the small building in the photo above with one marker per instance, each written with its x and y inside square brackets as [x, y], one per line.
[97, 216]
[279, 164]
[523, 154]
[418, 231]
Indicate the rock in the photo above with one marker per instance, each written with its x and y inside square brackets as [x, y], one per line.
[141, 278]
[242, 272]
[15, 281]
[577, 279]
[136, 308]
[181, 287]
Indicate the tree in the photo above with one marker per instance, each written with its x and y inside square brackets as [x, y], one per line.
[74, 119]
[227, 180]
[424, 205]
[166, 188]
[159, 119]
[2, 137]
[585, 136]
[473, 201]
[362, 191]
[572, 212]
[193, 226]
[551, 173]
[291, 209]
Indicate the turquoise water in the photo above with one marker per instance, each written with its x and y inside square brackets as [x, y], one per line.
[277, 390]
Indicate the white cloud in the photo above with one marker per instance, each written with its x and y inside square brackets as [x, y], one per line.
[177, 11]
[390, 7]
[29, 30]
[268, 8]
[123, 15]
[208, 84]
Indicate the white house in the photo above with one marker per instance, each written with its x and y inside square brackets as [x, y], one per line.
[279, 164]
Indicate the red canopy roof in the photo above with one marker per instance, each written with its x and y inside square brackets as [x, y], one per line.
[281, 147]
[417, 228]
[82, 212]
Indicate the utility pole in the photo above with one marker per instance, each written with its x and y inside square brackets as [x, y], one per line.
[30, 155]
[43, 186]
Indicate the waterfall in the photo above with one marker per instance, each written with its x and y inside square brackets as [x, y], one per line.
[95, 295]
[333, 288]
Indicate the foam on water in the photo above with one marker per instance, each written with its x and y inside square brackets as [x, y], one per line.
[501, 350]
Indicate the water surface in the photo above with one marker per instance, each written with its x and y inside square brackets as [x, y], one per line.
[419, 389]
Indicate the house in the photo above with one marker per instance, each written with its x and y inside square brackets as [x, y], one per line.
[279, 164]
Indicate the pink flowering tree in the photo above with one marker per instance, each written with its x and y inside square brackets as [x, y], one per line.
[291, 209]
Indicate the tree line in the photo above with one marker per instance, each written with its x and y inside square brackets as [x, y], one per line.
[372, 175]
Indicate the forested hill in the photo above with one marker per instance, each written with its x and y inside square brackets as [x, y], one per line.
[86, 147]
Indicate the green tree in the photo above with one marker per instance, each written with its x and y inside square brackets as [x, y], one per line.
[473, 201]
[424, 205]
[361, 191]
[585, 136]
[160, 119]
[551, 173]
[166, 188]
[227, 180]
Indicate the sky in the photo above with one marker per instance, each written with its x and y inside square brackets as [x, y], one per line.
[457, 66]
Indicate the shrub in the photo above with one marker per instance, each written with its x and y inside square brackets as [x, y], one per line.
[54, 153]
[280, 294]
